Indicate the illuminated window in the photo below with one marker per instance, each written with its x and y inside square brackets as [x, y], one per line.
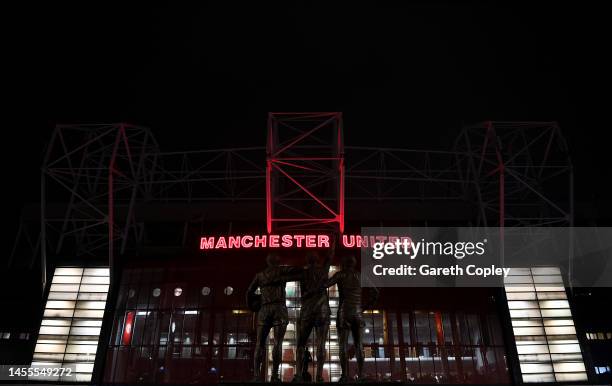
[205, 291]
[228, 290]
[602, 369]
[156, 292]
[70, 329]
[178, 291]
[543, 327]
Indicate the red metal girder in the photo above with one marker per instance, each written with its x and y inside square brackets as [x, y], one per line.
[300, 148]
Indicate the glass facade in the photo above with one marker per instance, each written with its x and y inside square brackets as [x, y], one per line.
[543, 327]
[72, 319]
[331, 368]
[203, 333]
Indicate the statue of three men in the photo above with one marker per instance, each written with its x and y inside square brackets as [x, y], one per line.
[315, 313]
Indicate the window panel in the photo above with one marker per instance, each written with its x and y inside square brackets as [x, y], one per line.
[560, 330]
[545, 270]
[563, 339]
[554, 304]
[92, 296]
[522, 340]
[525, 313]
[46, 364]
[84, 367]
[82, 377]
[551, 295]
[55, 322]
[81, 348]
[58, 313]
[97, 272]
[52, 330]
[571, 377]
[68, 335]
[519, 280]
[517, 287]
[538, 378]
[556, 313]
[566, 357]
[527, 368]
[559, 322]
[85, 331]
[62, 296]
[52, 348]
[521, 305]
[526, 323]
[519, 271]
[549, 288]
[406, 327]
[68, 271]
[90, 305]
[54, 339]
[535, 314]
[95, 280]
[60, 304]
[89, 314]
[548, 279]
[521, 296]
[534, 357]
[64, 288]
[528, 331]
[94, 288]
[564, 348]
[87, 323]
[532, 349]
[66, 280]
[43, 356]
[569, 367]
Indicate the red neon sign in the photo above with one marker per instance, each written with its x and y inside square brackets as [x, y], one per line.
[247, 241]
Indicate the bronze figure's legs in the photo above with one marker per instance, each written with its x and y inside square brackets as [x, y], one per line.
[343, 333]
[343, 346]
[277, 351]
[304, 329]
[357, 338]
[260, 350]
[321, 332]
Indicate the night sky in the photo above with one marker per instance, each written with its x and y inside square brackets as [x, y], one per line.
[206, 78]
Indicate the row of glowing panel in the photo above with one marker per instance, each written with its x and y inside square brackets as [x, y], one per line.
[543, 327]
[70, 329]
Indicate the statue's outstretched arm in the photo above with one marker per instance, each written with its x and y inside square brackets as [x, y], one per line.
[330, 254]
[291, 274]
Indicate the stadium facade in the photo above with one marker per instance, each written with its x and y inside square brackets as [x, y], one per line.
[130, 296]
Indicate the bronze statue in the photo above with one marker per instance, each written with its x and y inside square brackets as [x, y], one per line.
[349, 317]
[314, 312]
[271, 311]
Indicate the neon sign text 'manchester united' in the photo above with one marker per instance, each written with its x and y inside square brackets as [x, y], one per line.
[288, 241]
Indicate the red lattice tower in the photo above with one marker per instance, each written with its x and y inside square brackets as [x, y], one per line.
[305, 172]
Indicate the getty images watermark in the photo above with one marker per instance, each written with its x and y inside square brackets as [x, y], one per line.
[405, 246]
[482, 257]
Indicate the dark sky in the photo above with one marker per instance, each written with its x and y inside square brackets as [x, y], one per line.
[406, 77]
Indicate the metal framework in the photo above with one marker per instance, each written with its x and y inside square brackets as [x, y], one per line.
[519, 173]
[86, 172]
[304, 171]
[98, 182]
